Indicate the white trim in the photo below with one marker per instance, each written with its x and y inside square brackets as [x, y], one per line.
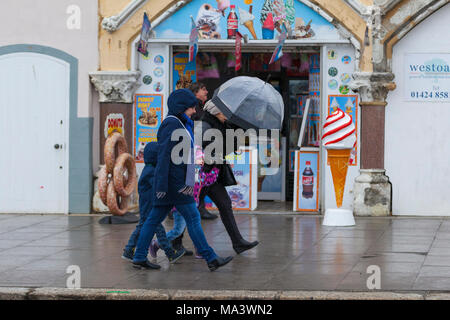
[268, 43]
[114, 23]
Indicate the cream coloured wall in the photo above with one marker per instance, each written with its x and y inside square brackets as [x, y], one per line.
[44, 23]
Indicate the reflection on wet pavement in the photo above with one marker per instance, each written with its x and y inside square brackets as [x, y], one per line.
[295, 253]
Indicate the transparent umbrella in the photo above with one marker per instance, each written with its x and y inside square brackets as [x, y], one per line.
[249, 102]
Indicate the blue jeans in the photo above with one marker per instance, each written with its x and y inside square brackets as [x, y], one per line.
[179, 224]
[160, 234]
[192, 217]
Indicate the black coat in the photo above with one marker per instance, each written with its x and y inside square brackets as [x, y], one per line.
[226, 176]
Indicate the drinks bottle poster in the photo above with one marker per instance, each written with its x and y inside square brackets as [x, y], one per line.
[243, 195]
[306, 180]
[148, 115]
[258, 19]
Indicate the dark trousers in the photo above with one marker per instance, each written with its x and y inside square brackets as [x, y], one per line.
[220, 197]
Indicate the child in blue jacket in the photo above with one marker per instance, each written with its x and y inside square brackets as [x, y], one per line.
[145, 189]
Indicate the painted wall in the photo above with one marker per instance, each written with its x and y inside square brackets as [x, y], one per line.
[206, 12]
[417, 136]
[44, 23]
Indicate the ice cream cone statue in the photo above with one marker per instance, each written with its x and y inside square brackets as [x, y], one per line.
[339, 138]
[246, 19]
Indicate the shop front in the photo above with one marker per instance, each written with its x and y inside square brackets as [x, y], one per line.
[312, 76]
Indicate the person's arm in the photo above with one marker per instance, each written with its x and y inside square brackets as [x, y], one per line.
[164, 153]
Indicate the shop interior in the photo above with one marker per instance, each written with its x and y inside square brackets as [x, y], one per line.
[297, 77]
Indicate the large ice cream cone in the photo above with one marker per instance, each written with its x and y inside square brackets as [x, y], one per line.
[338, 159]
[249, 25]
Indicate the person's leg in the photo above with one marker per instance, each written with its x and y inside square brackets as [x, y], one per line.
[156, 216]
[163, 242]
[204, 214]
[179, 224]
[192, 217]
[134, 236]
[220, 197]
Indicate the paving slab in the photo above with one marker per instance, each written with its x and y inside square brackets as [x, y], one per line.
[296, 254]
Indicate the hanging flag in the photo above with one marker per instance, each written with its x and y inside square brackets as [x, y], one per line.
[145, 35]
[238, 51]
[278, 53]
[193, 41]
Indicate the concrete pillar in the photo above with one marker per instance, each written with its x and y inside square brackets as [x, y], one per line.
[116, 90]
[372, 189]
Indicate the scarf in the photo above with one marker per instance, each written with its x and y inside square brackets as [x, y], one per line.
[190, 172]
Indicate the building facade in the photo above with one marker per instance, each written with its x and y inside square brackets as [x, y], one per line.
[47, 49]
[382, 61]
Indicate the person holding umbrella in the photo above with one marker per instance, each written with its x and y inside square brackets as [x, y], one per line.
[213, 118]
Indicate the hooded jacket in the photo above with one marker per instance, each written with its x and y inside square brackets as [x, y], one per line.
[226, 176]
[146, 181]
[171, 177]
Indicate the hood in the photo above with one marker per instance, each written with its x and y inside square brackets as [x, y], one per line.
[180, 100]
[151, 153]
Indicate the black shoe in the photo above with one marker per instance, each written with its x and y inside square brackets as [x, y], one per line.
[218, 262]
[244, 245]
[146, 265]
[177, 244]
[176, 255]
[206, 215]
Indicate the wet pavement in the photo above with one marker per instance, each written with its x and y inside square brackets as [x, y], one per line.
[295, 253]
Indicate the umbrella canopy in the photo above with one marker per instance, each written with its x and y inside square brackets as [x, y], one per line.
[249, 102]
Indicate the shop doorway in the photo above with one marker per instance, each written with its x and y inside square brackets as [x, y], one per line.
[291, 77]
[34, 103]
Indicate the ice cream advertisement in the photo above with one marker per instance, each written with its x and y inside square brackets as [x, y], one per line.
[260, 20]
[148, 115]
[243, 195]
[306, 181]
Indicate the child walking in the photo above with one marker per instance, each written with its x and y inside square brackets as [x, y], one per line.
[145, 189]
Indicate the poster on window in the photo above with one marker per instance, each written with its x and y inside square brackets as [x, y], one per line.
[348, 104]
[184, 72]
[269, 174]
[427, 77]
[306, 181]
[148, 115]
[243, 195]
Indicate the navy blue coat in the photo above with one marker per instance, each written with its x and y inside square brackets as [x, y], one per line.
[170, 177]
[146, 181]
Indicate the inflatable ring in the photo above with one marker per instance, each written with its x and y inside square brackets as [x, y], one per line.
[113, 203]
[124, 161]
[114, 142]
[103, 185]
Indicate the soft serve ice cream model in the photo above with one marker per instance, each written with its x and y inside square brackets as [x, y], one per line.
[246, 19]
[339, 138]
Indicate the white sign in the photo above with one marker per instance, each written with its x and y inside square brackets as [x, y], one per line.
[114, 122]
[427, 77]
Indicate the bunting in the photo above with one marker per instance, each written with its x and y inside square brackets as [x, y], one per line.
[145, 35]
[193, 41]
